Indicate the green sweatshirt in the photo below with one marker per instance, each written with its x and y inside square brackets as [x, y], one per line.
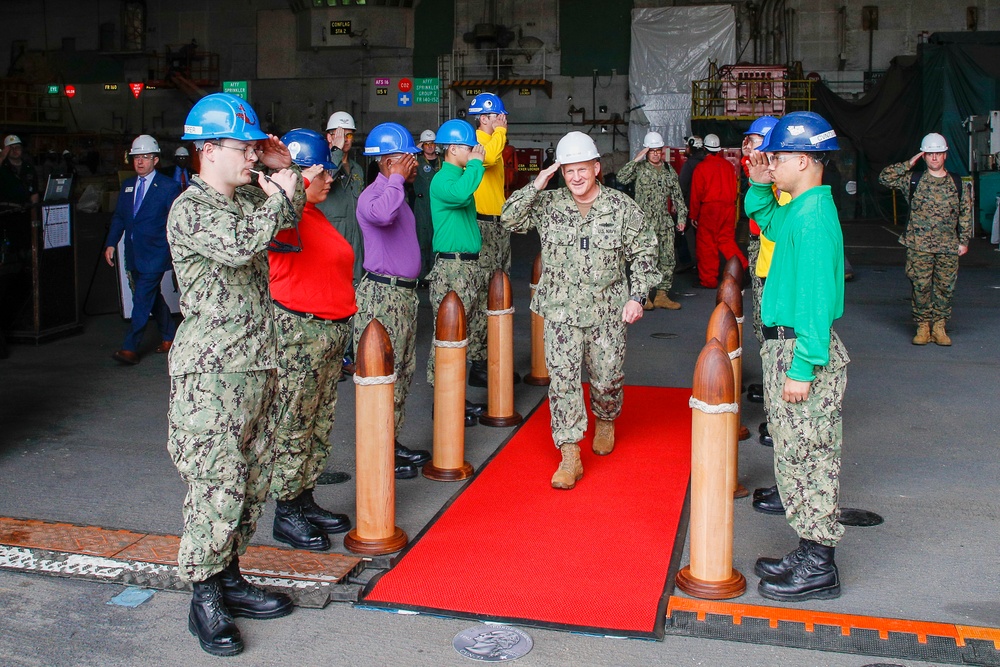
[805, 286]
[453, 208]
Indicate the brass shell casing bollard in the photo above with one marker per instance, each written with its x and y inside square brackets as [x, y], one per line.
[376, 532]
[711, 575]
[539, 375]
[450, 344]
[500, 354]
[722, 327]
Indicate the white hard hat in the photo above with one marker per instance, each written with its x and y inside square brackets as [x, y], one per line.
[144, 144]
[653, 140]
[934, 143]
[10, 140]
[712, 144]
[695, 142]
[427, 135]
[576, 147]
[341, 119]
[181, 152]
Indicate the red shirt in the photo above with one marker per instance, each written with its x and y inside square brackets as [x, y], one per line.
[713, 182]
[317, 280]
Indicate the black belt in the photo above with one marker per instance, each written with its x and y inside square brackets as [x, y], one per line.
[310, 316]
[778, 333]
[487, 218]
[467, 256]
[391, 280]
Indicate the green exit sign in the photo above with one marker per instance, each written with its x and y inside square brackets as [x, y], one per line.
[238, 88]
[53, 88]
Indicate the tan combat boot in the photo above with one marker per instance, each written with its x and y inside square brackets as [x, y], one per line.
[604, 437]
[923, 333]
[570, 470]
[663, 300]
[938, 334]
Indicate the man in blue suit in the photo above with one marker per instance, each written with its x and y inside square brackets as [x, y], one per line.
[141, 215]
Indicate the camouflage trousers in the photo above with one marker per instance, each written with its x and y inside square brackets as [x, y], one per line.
[933, 276]
[495, 253]
[219, 429]
[466, 278]
[396, 309]
[310, 354]
[666, 259]
[807, 440]
[756, 286]
[567, 349]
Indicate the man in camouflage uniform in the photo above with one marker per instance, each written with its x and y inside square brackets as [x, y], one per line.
[428, 164]
[936, 236]
[588, 234]
[340, 205]
[655, 184]
[222, 363]
[388, 290]
[804, 362]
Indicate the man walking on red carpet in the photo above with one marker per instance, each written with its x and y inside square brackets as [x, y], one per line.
[588, 232]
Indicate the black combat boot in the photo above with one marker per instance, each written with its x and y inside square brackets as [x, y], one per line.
[417, 457]
[404, 469]
[767, 500]
[755, 393]
[765, 435]
[813, 576]
[210, 620]
[243, 599]
[773, 567]
[292, 527]
[322, 518]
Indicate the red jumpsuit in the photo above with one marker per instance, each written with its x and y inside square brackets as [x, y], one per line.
[713, 206]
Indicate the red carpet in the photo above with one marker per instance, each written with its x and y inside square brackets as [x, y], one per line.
[509, 547]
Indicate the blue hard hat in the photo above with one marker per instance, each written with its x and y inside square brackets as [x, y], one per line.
[486, 103]
[762, 125]
[456, 131]
[308, 147]
[222, 116]
[800, 131]
[389, 138]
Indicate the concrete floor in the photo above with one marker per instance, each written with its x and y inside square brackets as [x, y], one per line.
[82, 440]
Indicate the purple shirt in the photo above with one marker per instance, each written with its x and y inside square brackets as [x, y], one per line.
[389, 229]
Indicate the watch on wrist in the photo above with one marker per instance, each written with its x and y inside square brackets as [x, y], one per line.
[638, 298]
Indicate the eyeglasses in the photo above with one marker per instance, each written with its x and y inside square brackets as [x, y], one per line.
[347, 135]
[145, 156]
[783, 158]
[249, 150]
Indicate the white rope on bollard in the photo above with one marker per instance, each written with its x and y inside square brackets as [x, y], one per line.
[374, 380]
[738, 352]
[739, 320]
[506, 311]
[451, 343]
[722, 408]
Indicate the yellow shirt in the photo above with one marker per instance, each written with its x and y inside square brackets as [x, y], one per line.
[489, 196]
[766, 244]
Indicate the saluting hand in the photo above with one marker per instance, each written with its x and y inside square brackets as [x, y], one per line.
[916, 158]
[641, 155]
[478, 152]
[339, 138]
[758, 167]
[545, 175]
[275, 154]
[403, 165]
